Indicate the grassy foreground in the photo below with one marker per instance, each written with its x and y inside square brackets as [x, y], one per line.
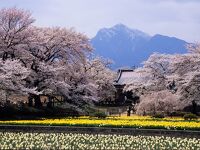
[124, 122]
[88, 141]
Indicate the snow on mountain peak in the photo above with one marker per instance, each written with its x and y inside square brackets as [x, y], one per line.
[122, 29]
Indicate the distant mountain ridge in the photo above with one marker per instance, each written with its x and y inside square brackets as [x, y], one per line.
[130, 47]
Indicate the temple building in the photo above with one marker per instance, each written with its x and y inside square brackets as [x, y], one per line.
[125, 76]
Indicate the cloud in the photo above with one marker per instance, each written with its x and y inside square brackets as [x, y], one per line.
[179, 18]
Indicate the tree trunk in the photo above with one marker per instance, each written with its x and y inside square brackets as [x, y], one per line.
[50, 102]
[129, 111]
[30, 101]
[194, 107]
[38, 103]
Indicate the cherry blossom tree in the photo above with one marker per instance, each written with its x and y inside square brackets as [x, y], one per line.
[15, 31]
[56, 60]
[158, 102]
[12, 79]
[42, 50]
[98, 71]
[55, 47]
[194, 48]
[178, 73]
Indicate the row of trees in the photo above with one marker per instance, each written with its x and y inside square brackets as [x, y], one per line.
[54, 61]
[168, 82]
[36, 61]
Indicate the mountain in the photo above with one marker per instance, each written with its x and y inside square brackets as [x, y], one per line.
[130, 47]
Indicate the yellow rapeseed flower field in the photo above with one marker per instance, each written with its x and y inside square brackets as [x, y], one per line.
[132, 122]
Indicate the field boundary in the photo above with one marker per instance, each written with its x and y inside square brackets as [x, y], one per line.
[99, 130]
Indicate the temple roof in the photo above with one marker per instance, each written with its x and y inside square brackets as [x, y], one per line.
[125, 76]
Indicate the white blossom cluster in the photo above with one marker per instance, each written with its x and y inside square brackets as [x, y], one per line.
[10, 140]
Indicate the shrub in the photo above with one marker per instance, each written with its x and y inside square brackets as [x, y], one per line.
[100, 114]
[177, 114]
[158, 115]
[190, 116]
[89, 110]
[31, 112]
[61, 112]
[8, 111]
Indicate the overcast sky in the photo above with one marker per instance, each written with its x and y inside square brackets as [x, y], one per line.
[179, 18]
